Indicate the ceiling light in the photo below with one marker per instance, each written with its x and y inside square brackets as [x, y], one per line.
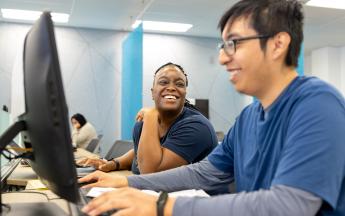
[336, 4]
[163, 26]
[32, 15]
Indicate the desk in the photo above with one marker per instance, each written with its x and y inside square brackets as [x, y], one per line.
[121, 172]
[21, 175]
[35, 196]
[81, 153]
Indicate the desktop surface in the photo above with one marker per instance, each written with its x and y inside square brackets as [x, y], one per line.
[34, 209]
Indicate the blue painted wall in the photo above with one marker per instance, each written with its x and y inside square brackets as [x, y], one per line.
[132, 80]
[300, 68]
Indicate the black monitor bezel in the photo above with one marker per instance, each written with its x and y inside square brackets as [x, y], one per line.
[46, 117]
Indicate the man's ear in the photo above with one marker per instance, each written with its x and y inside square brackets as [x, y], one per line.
[280, 45]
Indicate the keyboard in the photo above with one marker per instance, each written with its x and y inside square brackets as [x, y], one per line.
[84, 199]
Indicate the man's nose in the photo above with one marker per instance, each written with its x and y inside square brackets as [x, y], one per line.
[223, 58]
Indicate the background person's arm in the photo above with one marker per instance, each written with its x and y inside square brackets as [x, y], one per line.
[202, 175]
[74, 137]
[81, 135]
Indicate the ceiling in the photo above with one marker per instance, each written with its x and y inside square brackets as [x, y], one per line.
[323, 27]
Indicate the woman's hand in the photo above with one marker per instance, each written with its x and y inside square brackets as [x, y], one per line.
[96, 163]
[108, 166]
[140, 115]
[101, 179]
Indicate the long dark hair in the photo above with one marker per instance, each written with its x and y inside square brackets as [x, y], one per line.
[80, 119]
[186, 103]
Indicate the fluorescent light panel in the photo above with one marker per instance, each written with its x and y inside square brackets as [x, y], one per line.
[336, 4]
[163, 26]
[32, 15]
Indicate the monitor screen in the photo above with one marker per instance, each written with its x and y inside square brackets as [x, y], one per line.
[202, 106]
[46, 118]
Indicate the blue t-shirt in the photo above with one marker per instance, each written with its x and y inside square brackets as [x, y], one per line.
[299, 141]
[191, 136]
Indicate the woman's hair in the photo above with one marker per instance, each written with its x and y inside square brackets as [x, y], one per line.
[79, 118]
[186, 103]
[172, 64]
[189, 105]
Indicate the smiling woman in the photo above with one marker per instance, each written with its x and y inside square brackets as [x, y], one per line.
[172, 134]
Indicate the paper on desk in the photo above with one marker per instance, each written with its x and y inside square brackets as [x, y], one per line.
[188, 193]
[35, 184]
[96, 191]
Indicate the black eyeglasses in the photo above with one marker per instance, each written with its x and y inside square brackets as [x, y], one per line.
[229, 46]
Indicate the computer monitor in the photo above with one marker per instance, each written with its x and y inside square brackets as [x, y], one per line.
[44, 125]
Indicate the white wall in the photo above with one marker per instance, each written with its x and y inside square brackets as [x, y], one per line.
[328, 64]
[307, 65]
[342, 69]
[90, 62]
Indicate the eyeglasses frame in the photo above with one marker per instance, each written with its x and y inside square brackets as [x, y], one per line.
[236, 40]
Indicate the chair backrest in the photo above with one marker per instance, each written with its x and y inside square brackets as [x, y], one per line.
[100, 136]
[119, 148]
[91, 147]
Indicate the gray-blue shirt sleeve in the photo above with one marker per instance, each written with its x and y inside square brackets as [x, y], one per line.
[202, 175]
[280, 200]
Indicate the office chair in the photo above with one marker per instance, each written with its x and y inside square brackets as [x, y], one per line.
[119, 148]
[92, 146]
[220, 135]
[100, 136]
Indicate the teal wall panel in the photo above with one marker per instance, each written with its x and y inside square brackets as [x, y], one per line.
[132, 80]
[300, 68]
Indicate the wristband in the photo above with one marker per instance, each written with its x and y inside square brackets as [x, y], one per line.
[162, 200]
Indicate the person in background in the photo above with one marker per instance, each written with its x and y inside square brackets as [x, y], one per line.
[285, 151]
[170, 135]
[83, 132]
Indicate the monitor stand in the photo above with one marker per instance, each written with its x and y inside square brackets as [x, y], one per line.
[33, 209]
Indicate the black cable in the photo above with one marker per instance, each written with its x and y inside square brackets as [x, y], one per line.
[8, 157]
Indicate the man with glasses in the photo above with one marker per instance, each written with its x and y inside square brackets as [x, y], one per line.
[286, 150]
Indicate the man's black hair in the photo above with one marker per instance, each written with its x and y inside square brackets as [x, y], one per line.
[269, 17]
